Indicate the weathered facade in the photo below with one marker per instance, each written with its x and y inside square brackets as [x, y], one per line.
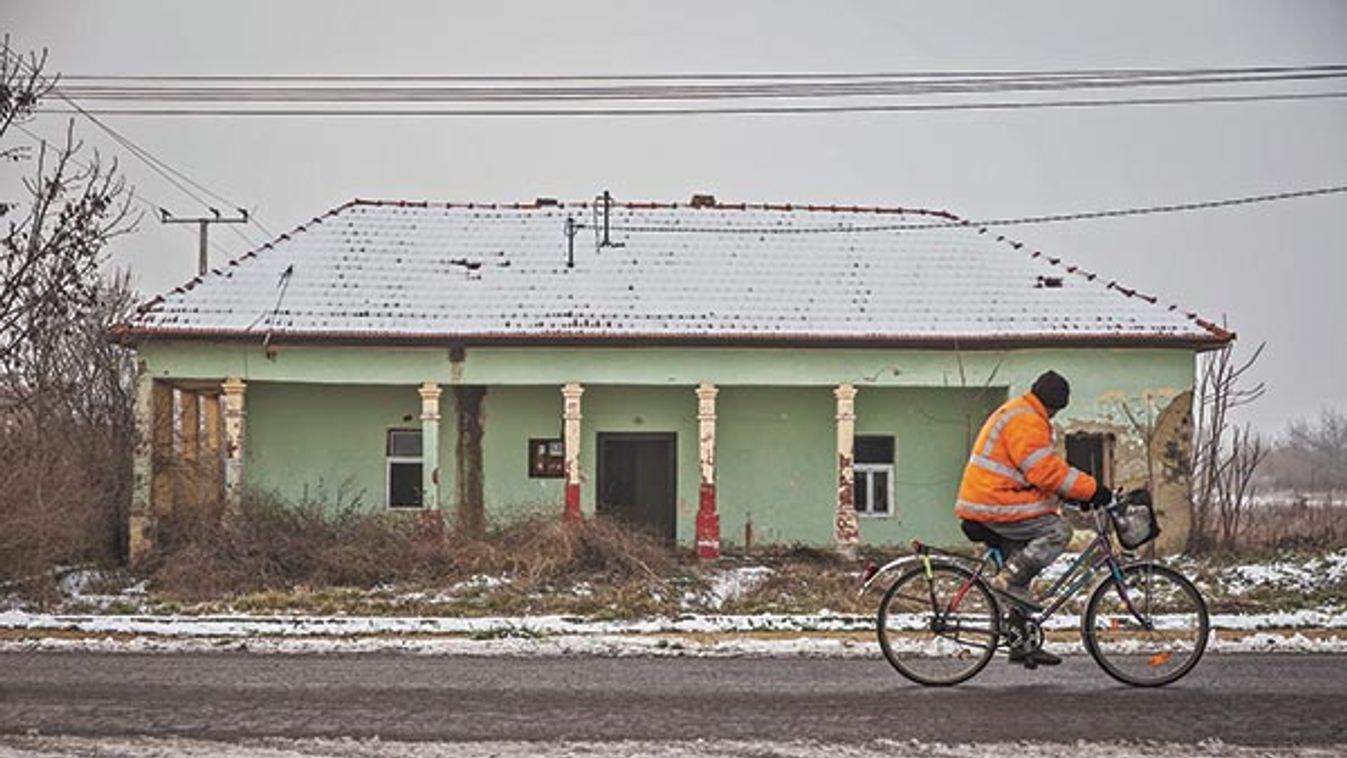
[717, 374]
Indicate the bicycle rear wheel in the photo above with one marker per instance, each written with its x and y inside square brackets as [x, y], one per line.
[938, 629]
[1155, 641]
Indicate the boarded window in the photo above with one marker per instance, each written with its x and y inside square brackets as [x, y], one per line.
[873, 464]
[547, 458]
[404, 468]
[1092, 453]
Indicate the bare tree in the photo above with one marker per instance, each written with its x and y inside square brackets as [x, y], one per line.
[74, 207]
[1235, 486]
[22, 86]
[1323, 447]
[1224, 458]
[65, 389]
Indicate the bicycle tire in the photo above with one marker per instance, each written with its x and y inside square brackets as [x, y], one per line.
[1148, 645]
[914, 590]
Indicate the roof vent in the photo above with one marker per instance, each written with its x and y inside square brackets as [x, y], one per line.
[544, 202]
[1049, 282]
[703, 201]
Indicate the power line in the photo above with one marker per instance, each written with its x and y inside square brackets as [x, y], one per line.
[363, 92]
[158, 166]
[699, 111]
[690, 76]
[992, 222]
[134, 193]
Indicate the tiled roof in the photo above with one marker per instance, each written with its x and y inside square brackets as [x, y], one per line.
[396, 271]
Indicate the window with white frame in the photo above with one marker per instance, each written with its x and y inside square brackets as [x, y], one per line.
[404, 468]
[873, 463]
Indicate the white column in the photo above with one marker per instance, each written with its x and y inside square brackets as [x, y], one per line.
[232, 390]
[846, 531]
[708, 520]
[571, 422]
[430, 444]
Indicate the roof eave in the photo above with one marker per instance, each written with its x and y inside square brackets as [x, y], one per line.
[132, 335]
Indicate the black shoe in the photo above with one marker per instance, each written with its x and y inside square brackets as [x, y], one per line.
[1034, 659]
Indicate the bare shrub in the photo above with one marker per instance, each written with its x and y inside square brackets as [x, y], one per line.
[65, 408]
[1225, 457]
[1296, 526]
[65, 438]
[271, 544]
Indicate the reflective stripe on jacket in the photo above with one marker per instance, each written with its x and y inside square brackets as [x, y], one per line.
[1014, 473]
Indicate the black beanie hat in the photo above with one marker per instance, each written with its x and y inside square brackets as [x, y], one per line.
[1053, 389]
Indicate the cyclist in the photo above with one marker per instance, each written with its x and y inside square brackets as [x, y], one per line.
[1012, 485]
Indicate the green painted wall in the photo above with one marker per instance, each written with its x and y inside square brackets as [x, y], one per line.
[1096, 369]
[323, 440]
[513, 416]
[319, 414]
[776, 462]
[933, 430]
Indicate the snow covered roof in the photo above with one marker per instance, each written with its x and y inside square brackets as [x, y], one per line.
[703, 273]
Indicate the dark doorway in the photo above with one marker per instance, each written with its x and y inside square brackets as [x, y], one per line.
[638, 480]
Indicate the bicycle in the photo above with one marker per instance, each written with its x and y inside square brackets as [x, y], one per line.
[1145, 624]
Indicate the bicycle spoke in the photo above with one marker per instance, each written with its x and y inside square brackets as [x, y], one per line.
[938, 628]
[1149, 631]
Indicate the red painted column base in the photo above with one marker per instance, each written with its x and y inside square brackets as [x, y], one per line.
[573, 501]
[708, 524]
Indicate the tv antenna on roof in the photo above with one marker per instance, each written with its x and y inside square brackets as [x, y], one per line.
[604, 202]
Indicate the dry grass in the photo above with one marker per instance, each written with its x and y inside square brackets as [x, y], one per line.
[1293, 527]
[60, 504]
[272, 545]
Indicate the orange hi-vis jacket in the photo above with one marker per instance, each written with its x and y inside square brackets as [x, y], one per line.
[1014, 473]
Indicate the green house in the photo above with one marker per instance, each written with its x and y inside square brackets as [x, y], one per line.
[715, 373]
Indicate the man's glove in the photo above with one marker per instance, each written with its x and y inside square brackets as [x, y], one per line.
[1102, 496]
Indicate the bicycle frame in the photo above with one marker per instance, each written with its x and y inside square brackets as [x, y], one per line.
[1097, 555]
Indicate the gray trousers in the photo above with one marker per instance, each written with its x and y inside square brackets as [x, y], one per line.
[1044, 538]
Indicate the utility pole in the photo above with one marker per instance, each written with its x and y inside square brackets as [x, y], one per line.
[204, 223]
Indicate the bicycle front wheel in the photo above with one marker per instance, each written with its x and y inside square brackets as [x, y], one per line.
[938, 628]
[1150, 629]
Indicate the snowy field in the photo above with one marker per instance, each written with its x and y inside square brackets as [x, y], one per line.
[1311, 617]
[30, 747]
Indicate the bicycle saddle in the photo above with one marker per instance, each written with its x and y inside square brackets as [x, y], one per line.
[978, 532]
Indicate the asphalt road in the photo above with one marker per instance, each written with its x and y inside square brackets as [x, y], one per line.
[1248, 700]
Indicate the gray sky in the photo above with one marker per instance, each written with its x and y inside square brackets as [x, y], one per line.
[1276, 271]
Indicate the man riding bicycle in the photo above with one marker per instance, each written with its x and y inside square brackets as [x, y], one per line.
[1012, 485]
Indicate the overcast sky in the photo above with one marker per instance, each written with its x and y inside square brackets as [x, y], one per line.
[1276, 271]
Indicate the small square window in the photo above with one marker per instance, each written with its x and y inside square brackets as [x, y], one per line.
[873, 467]
[547, 458]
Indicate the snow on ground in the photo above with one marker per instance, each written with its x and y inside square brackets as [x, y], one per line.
[1303, 576]
[487, 627]
[1318, 628]
[606, 644]
[143, 747]
[734, 583]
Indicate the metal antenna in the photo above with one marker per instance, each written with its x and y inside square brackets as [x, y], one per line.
[607, 205]
[570, 242]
